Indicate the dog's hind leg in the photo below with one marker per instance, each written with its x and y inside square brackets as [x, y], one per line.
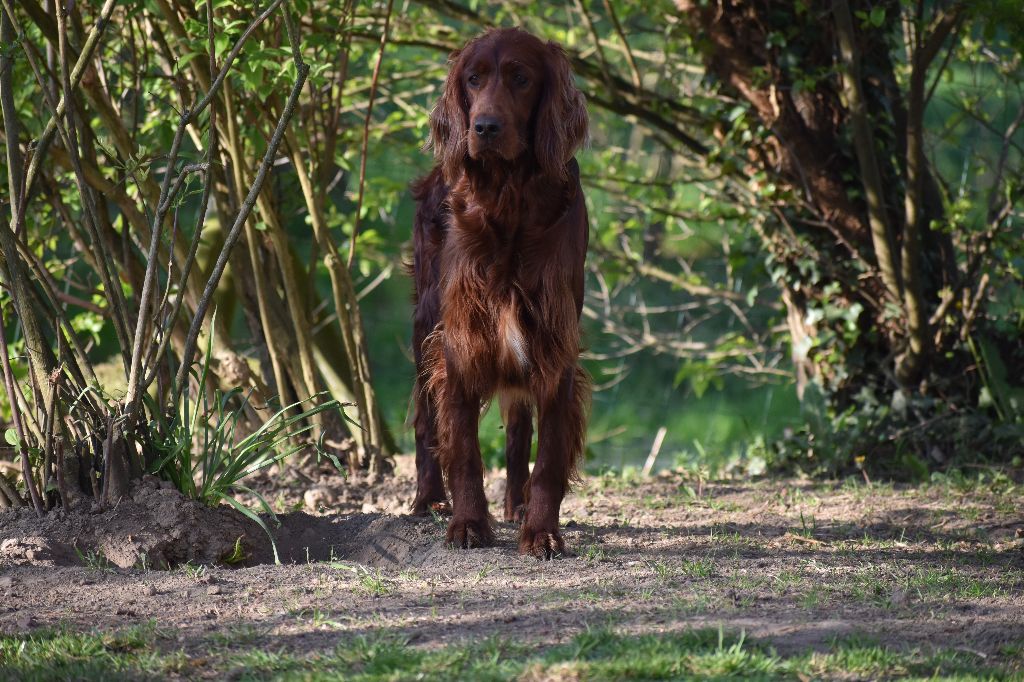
[518, 417]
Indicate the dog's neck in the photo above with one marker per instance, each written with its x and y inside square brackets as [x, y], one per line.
[508, 193]
[489, 176]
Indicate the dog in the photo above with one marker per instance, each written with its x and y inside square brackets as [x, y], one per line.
[500, 239]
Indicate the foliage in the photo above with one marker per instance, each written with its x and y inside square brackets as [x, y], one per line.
[148, 199]
[904, 439]
[864, 144]
[202, 451]
[717, 280]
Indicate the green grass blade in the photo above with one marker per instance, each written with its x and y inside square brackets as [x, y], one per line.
[255, 517]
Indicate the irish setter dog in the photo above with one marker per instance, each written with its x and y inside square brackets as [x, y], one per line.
[500, 239]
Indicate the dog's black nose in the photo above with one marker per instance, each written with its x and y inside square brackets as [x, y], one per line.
[487, 127]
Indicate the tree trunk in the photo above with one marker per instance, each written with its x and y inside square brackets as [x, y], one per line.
[851, 152]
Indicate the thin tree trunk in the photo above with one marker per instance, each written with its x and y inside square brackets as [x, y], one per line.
[864, 143]
[910, 366]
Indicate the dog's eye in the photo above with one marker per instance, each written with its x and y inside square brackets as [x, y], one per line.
[519, 80]
[474, 80]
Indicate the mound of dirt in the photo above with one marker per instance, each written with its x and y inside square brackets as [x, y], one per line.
[157, 527]
[153, 526]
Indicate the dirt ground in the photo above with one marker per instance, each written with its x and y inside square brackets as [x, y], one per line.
[796, 564]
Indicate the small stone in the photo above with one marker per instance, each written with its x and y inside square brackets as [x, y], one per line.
[319, 497]
[213, 589]
[6, 582]
[25, 621]
[149, 591]
[1019, 532]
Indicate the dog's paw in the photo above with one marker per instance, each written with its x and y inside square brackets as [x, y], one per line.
[543, 544]
[427, 508]
[469, 533]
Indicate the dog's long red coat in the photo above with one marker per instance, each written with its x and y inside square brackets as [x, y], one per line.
[500, 239]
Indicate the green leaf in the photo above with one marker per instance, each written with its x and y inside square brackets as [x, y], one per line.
[237, 554]
[255, 517]
[11, 436]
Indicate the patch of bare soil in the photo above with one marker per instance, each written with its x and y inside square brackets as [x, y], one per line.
[793, 563]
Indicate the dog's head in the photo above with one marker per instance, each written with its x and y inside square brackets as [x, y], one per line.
[508, 95]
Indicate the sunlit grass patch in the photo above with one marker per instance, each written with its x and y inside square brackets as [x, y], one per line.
[953, 583]
[594, 654]
[62, 654]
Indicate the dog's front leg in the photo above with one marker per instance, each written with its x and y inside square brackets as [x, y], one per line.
[561, 425]
[471, 524]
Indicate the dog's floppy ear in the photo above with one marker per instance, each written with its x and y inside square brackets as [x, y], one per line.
[561, 124]
[449, 122]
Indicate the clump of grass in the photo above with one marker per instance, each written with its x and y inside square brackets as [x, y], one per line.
[62, 654]
[951, 583]
[94, 560]
[240, 634]
[594, 552]
[369, 581]
[193, 571]
[200, 453]
[697, 568]
[811, 599]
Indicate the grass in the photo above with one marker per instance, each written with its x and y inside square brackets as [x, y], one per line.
[93, 560]
[369, 581]
[937, 584]
[698, 568]
[594, 552]
[594, 654]
[193, 571]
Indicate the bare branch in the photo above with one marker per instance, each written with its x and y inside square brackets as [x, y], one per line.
[366, 134]
[236, 229]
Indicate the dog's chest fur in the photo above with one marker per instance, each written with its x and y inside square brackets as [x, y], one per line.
[499, 330]
[508, 315]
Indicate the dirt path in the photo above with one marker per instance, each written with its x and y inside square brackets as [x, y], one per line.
[793, 564]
